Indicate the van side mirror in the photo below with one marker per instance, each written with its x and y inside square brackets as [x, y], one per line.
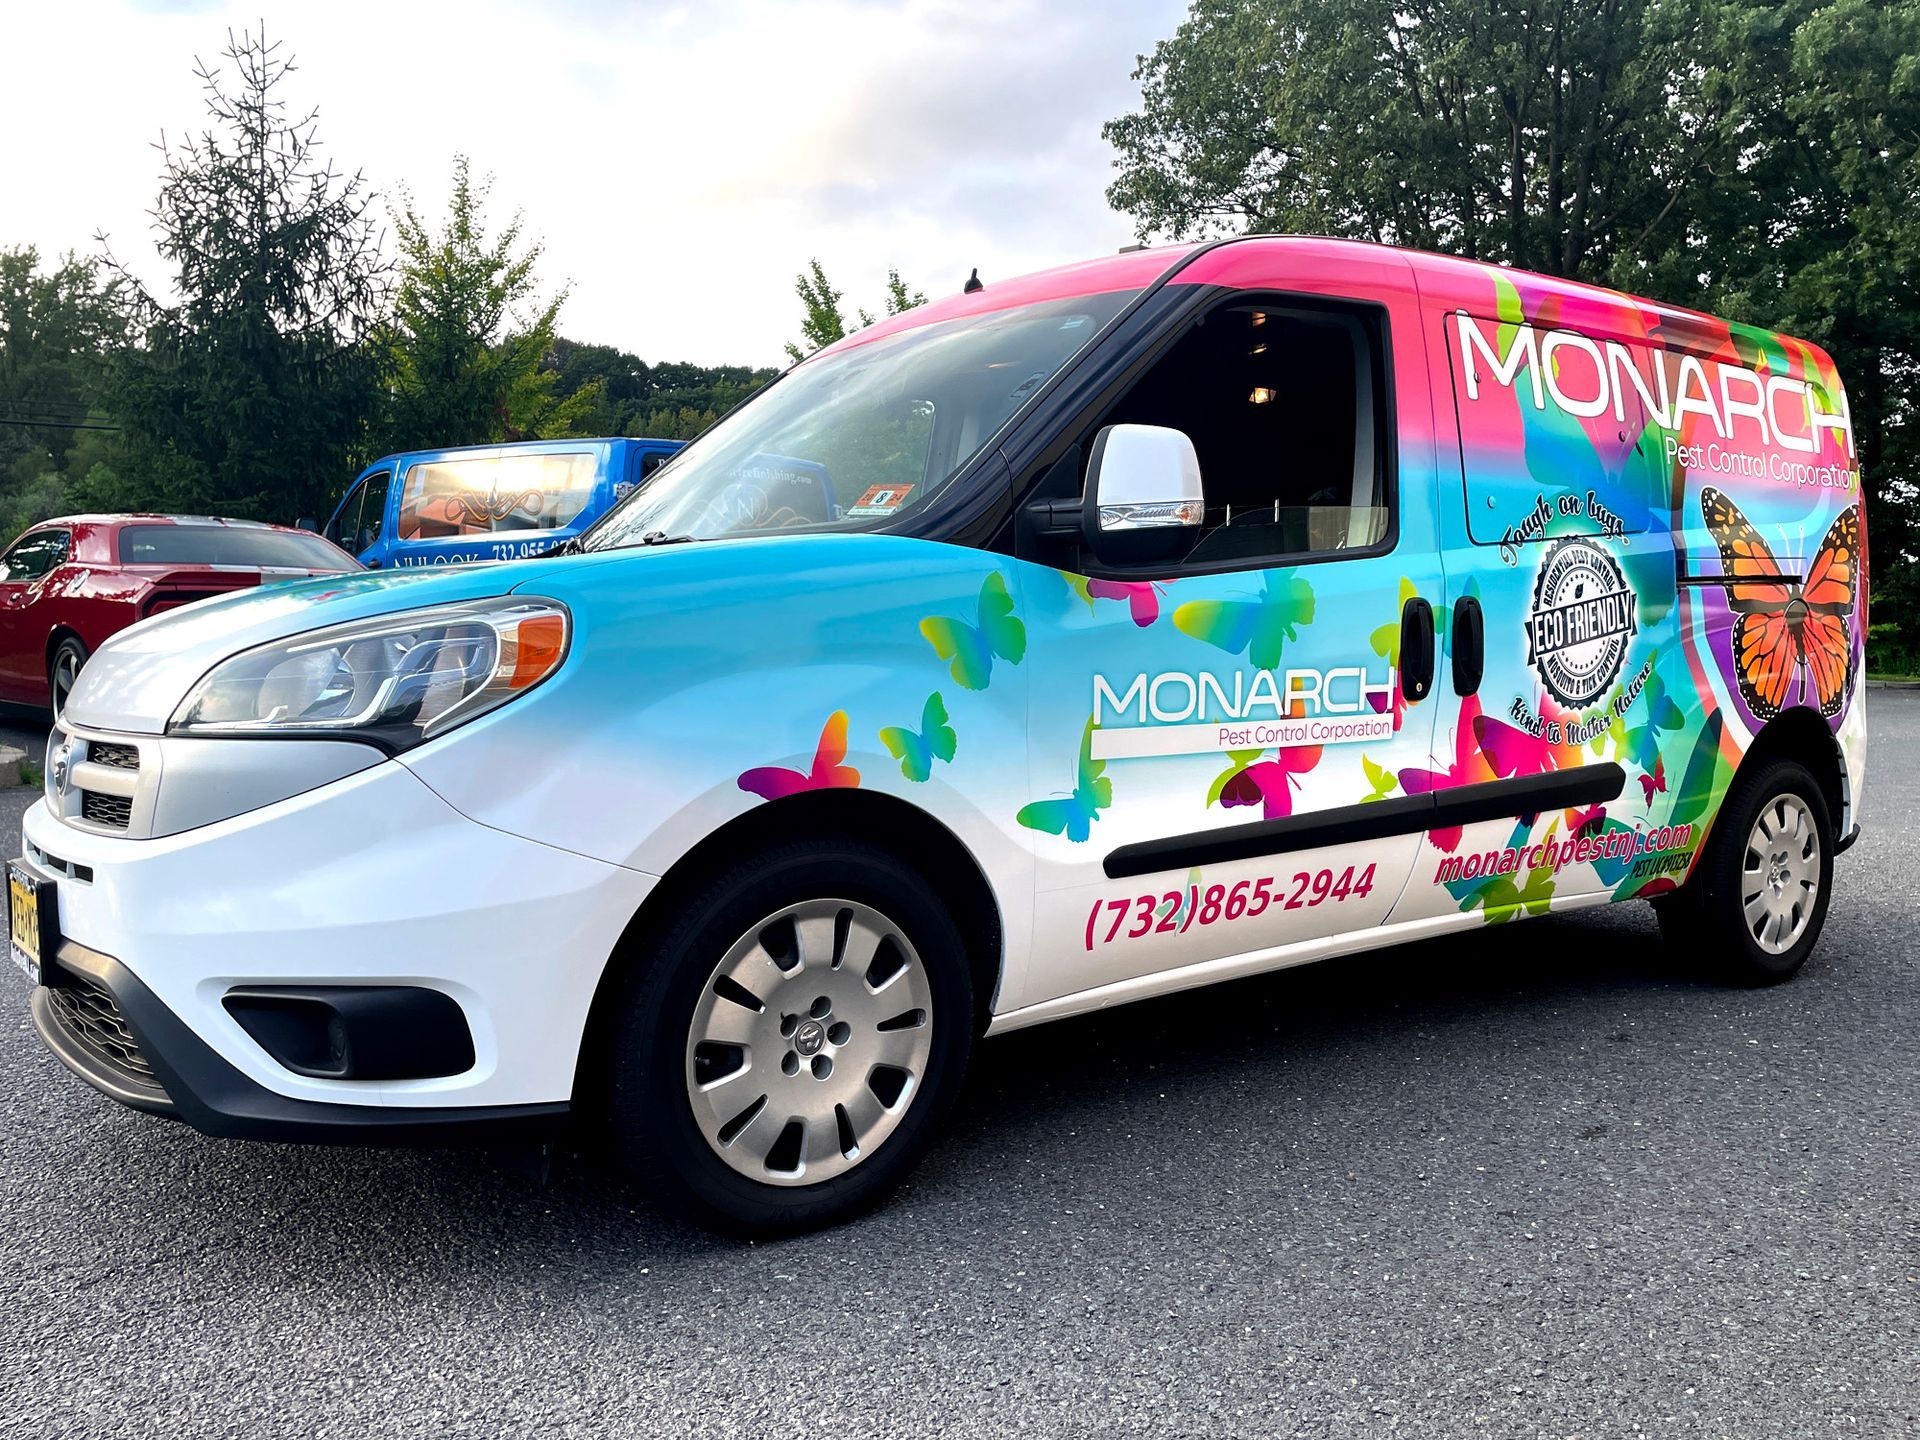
[307, 522]
[1144, 500]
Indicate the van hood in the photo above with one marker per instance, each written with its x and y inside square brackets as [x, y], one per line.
[136, 680]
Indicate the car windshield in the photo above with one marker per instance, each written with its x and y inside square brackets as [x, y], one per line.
[229, 545]
[860, 438]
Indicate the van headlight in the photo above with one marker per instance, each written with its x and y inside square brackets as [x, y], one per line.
[391, 681]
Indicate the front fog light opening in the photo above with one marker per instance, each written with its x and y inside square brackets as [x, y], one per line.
[356, 1032]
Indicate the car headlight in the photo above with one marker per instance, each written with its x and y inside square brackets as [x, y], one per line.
[391, 681]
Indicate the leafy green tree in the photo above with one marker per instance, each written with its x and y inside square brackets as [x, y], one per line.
[1757, 160]
[822, 321]
[56, 325]
[1496, 129]
[250, 394]
[672, 400]
[471, 342]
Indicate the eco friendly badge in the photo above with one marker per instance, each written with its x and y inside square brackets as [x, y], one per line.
[1581, 621]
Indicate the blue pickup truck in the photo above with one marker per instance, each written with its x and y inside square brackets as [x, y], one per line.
[487, 502]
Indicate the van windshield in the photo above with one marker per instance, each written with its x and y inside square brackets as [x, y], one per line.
[858, 439]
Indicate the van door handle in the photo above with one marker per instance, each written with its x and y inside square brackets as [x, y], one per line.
[1469, 645]
[1416, 649]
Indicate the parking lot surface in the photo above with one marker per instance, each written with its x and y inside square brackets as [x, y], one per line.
[1539, 1180]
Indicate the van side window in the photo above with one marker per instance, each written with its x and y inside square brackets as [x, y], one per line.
[1284, 406]
[491, 493]
[373, 509]
[1549, 415]
[358, 522]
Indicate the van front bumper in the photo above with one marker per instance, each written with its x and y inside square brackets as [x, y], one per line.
[370, 882]
[115, 1034]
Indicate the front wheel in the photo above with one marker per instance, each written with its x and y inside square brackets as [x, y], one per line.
[63, 670]
[790, 1046]
[1754, 908]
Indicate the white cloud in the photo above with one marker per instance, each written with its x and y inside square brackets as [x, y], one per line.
[681, 162]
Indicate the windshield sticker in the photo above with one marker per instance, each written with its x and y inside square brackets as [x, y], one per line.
[881, 500]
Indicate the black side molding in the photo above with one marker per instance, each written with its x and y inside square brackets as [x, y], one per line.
[1724, 581]
[1350, 824]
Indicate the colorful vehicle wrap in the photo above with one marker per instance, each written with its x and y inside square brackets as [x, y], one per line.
[1499, 581]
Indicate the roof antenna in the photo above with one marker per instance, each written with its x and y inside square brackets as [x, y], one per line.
[973, 285]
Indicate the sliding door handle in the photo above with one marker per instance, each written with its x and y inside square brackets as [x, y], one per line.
[1469, 645]
[1416, 649]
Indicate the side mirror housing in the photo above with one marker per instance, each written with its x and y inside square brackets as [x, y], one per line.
[307, 522]
[1144, 501]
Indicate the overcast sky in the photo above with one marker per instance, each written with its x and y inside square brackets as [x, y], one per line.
[681, 162]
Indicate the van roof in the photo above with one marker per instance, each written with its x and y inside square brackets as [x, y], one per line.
[1444, 280]
[528, 447]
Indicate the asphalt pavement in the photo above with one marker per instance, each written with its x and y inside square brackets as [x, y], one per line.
[1539, 1181]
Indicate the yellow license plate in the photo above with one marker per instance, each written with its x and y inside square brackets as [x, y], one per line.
[29, 904]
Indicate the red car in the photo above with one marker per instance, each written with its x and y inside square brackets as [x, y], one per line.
[66, 585]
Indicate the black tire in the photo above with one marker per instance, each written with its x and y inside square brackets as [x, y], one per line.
[1708, 920]
[63, 667]
[650, 1110]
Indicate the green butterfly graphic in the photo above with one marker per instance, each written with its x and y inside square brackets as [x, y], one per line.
[1379, 777]
[1500, 900]
[1641, 744]
[1257, 627]
[1073, 815]
[1702, 779]
[934, 741]
[972, 648]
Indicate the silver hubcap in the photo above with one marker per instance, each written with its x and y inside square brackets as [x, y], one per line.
[1781, 877]
[809, 1042]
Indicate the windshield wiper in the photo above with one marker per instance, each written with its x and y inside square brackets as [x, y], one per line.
[660, 537]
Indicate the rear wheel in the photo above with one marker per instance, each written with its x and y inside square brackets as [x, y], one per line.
[63, 669]
[791, 1046]
[1755, 906]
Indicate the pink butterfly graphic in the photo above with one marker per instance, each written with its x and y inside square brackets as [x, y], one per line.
[1513, 751]
[775, 782]
[1142, 597]
[1586, 822]
[1469, 767]
[1267, 783]
[1655, 782]
[1249, 780]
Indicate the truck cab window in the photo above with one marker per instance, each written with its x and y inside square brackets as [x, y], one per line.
[1283, 407]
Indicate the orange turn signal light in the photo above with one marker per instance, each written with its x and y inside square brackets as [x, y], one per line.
[539, 641]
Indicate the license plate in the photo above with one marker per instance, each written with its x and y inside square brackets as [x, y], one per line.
[30, 920]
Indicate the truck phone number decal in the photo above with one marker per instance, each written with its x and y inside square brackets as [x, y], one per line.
[1174, 912]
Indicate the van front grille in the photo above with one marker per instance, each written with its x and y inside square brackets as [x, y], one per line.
[114, 812]
[120, 757]
[88, 1014]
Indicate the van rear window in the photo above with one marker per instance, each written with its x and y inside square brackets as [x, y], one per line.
[1548, 416]
[228, 545]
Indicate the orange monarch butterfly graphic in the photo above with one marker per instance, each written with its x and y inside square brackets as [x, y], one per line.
[1787, 629]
